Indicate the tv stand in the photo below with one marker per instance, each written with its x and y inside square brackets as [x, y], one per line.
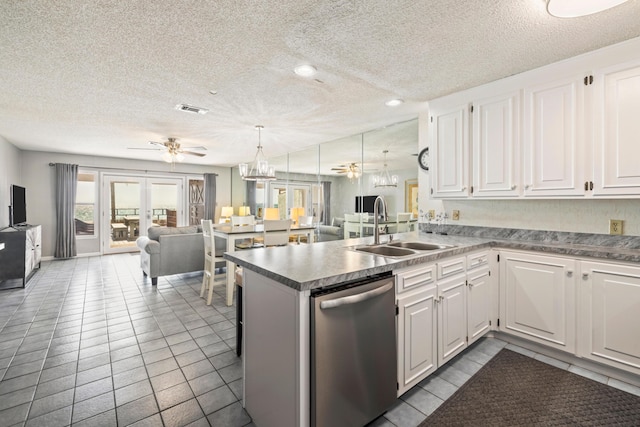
[21, 255]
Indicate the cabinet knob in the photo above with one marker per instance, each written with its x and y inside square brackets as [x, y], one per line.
[464, 188]
[526, 187]
[585, 276]
[569, 273]
[513, 187]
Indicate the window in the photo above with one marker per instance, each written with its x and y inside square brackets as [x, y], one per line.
[85, 210]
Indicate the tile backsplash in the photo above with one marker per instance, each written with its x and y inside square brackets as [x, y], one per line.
[584, 216]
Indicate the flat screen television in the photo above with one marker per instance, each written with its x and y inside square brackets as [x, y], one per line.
[365, 203]
[18, 205]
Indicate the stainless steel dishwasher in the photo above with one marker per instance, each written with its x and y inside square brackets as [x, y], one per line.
[353, 352]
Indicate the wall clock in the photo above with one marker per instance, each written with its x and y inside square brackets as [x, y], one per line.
[423, 159]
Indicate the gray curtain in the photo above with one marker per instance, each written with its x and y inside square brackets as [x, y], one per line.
[66, 184]
[210, 196]
[326, 200]
[251, 197]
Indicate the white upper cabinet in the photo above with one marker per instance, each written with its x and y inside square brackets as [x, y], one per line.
[616, 92]
[554, 138]
[559, 131]
[450, 145]
[496, 148]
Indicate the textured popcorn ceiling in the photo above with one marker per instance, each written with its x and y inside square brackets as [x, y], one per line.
[98, 77]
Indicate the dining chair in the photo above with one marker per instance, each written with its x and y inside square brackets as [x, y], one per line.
[243, 221]
[303, 221]
[211, 260]
[352, 224]
[276, 232]
[403, 222]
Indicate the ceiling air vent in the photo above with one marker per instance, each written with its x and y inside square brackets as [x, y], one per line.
[191, 109]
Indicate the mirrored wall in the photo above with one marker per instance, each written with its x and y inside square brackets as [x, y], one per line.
[338, 177]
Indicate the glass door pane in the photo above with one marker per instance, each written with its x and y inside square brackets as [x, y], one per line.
[123, 204]
[163, 203]
[133, 204]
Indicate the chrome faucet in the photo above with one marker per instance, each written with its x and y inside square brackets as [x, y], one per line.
[376, 230]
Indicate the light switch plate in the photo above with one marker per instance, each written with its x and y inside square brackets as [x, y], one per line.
[456, 215]
[1, 246]
[615, 226]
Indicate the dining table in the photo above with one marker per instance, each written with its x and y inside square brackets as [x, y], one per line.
[233, 234]
[133, 223]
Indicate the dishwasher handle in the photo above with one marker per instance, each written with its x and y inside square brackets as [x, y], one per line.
[354, 299]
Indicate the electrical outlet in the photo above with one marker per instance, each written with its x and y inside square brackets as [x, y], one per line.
[615, 226]
[432, 213]
[455, 215]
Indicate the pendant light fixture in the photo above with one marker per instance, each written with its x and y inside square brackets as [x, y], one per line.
[385, 179]
[259, 170]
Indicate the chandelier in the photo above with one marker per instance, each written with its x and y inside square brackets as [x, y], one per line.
[385, 179]
[259, 170]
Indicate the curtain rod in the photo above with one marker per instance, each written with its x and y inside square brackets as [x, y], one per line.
[133, 170]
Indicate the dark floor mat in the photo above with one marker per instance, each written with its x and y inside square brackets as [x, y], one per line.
[516, 390]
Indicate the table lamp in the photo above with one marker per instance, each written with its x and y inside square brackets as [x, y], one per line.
[271, 213]
[227, 213]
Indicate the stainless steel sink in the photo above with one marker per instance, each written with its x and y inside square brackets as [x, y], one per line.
[420, 246]
[386, 251]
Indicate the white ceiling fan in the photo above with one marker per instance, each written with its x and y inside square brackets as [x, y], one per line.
[173, 151]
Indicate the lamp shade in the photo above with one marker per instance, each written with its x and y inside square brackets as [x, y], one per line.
[272, 213]
[244, 211]
[296, 213]
[226, 211]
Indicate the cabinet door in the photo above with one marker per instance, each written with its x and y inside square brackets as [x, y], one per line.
[537, 299]
[616, 125]
[496, 161]
[610, 298]
[416, 337]
[452, 318]
[480, 288]
[553, 137]
[450, 143]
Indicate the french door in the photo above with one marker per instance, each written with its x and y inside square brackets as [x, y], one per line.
[133, 204]
[291, 199]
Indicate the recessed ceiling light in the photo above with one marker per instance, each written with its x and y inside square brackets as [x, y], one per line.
[393, 102]
[576, 8]
[305, 70]
[213, 92]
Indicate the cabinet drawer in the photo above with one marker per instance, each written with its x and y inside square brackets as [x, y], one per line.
[477, 260]
[412, 278]
[449, 267]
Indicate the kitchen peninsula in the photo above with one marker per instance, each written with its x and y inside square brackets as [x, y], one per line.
[278, 283]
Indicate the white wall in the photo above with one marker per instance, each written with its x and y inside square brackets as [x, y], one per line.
[9, 174]
[38, 178]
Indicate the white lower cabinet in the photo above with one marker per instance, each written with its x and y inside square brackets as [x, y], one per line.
[438, 319]
[452, 317]
[479, 297]
[610, 314]
[538, 298]
[417, 355]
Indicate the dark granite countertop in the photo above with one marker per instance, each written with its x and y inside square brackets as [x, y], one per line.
[305, 267]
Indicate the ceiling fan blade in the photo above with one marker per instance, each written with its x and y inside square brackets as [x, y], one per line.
[159, 144]
[138, 148]
[191, 153]
[200, 147]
